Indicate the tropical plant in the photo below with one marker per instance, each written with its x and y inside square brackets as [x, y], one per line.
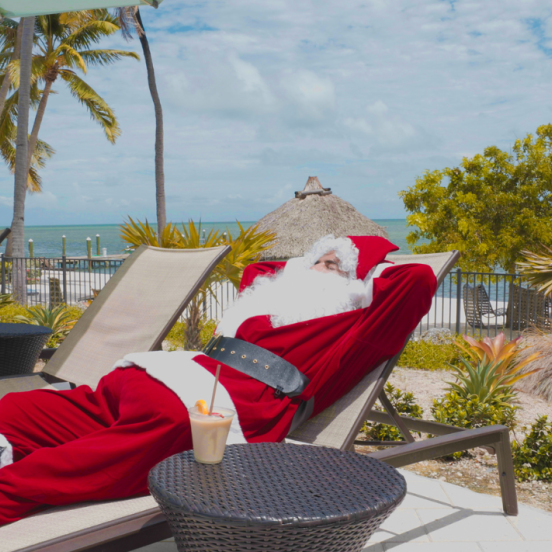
[129, 18]
[60, 320]
[177, 336]
[499, 353]
[537, 269]
[483, 380]
[16, 31]
[469, 412]
[246, 249]
[11, 313]
[5, 300]
[533, 457]
[491, 207]
[478, 398]
[136, 233]
[64, 46]
[404, 403]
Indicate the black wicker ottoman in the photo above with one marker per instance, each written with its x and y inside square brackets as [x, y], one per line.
[276, 497]
[20, 346]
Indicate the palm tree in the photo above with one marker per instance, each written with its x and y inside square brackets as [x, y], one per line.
[21, 166]
[130, 18]
[64, 44]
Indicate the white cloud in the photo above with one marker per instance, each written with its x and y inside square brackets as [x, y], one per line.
[257, 96]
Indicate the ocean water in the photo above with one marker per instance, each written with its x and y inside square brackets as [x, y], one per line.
[47, 240]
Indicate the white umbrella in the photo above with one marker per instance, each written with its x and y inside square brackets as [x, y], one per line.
[25, 8]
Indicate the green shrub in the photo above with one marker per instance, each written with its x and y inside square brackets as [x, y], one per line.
[10, 311]
[177, 333]
[404, 403]
[424, 355]
[471, 412]
[533, 458]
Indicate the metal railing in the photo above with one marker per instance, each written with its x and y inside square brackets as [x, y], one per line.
[53, 281]
[476, 303]
[487, 303]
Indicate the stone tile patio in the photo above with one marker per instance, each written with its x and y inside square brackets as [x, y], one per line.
[440, 517]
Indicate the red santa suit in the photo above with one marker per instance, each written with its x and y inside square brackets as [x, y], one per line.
[81, 445]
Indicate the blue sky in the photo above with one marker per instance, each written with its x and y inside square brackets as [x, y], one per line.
[258, 96]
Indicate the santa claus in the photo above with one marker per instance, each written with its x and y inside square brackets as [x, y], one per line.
[324, 320]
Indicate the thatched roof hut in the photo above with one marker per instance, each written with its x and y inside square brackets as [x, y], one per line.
[313, 213]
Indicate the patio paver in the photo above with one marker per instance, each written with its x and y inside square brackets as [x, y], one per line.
[438, 516]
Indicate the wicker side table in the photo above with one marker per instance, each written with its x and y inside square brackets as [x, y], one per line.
[269, 496]
[20, 346]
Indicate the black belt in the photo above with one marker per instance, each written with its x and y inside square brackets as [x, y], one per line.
[258, 363]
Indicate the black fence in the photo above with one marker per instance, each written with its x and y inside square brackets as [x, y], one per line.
[487, 303]
[475, 303]
[53, 281]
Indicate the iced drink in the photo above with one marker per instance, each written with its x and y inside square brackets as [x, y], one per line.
[209, 433]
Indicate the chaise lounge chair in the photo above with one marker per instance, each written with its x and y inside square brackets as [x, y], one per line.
[339, 425]
[132, 523]
[134, 312]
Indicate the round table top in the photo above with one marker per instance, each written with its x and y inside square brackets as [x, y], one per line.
[22, 330]
[276, 484]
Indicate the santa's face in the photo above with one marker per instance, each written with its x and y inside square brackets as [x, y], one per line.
[328, 263]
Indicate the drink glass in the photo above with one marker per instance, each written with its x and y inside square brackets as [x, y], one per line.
[209, 434]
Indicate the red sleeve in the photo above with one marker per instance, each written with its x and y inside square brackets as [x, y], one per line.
[259, 269]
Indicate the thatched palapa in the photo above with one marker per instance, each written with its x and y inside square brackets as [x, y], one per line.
[313, 213]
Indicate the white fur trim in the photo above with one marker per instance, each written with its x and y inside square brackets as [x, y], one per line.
[6, 455]
[188, 379]
[369, 283]
[345, 251]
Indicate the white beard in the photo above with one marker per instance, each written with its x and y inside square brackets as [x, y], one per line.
[293, 296]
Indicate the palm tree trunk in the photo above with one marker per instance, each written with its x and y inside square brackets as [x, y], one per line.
[159, 171]
[21, 172]
[33, 139]
[3, 95]
[192, 333]
[7, 78]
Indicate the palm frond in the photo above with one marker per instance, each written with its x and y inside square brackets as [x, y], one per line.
[537, 268]
[96, 105]
[71, 57]
[106, 57]
[91, 33]
[126, 20]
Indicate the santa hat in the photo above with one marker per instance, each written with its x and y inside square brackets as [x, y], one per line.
[372, 250]
[357, 254]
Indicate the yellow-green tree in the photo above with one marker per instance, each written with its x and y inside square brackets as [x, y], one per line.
[490, 207]
[247, 247]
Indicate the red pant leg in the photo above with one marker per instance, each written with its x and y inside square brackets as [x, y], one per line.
[98, 445]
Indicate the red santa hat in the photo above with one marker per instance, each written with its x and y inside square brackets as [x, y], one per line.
[372, 250]
[357, 254]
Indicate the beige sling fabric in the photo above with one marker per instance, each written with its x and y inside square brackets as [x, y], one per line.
[60, 529]
[22, 383]
[331, 427]
[334, 426]
[134, 312]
